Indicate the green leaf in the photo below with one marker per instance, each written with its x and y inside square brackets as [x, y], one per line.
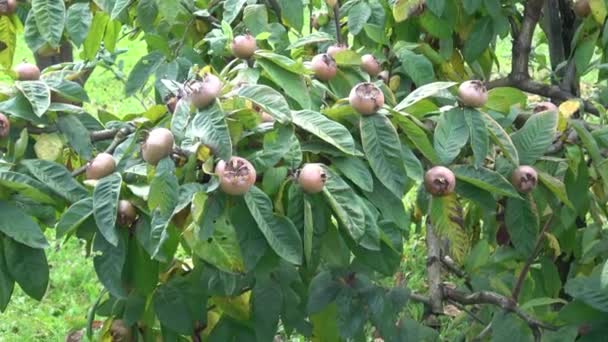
[345, 204]
[255, 18]
[323, 290]
[105, 204]
[7, 283]
[555, 186]
[423, 92]
[109, 262]
[50, 19]
[522, 223]
[56, 177]
[27, 186]
[142, 70]
[147, 11]
[594, 152]
[588, 290]
[292, 84]
[416, 66]
[279, 231]
[94, 38]
[270, 100]
[451, 134]
[74, 216]
[33, 38]
[313, 38]
[402, 9]
[383, 150]
[28, 266]
[418, 137]
[479, 39]
[501, 99]
[267, 303]
[533, 139]
[448, 222]
[37, 93]
[68, 89]
[209, 125]
[500, 137]
[20, 227]
[180, 118]
[436, 6]
[291, 11]
[8, 39]
[77, 135]
[485, 179]
[357, 17]
[356, 170]
[78, 22]
[479, 135]
[232, 8]
[309, 231]
[119, 7]
[328, 130]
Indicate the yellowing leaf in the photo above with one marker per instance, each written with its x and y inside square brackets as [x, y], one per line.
[553, 244]
[598, 10]
[203, 153]
[8, 41]
[447, 219]
[49, 147]
[235, 307]
[403, 9]
[566, 110]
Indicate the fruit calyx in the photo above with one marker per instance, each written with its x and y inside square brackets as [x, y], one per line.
[439, 181]
[236, 176]
[366, 98]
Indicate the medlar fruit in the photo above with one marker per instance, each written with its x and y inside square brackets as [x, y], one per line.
[473, 93]
[366, 98]
[384, 76]
[544, 107]
[5, 126]
[370, 64]
[439, 181]
[324, 66]
[237, 175]
[204, 92]
[266, 117]
[120, 332]
[582, 8]
[101, 166]
[8, 7]
[524, 178]
[158, 145]
[334, 49]
[27, 72]
[126, 213]
[244, 46]
[312, 178]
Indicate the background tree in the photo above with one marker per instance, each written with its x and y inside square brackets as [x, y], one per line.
[261, 195]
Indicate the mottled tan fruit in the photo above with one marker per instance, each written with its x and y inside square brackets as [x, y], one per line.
[312, 178]
[236, 176]
[244, 46]
[582, 8]
[266, 117]
[120, 332]
[384, 76]
[370, 64]
[126, 213]
[544, 107]
[524, 178]
[5, 126]
[334, 49]
[204, 92]
[324, 67]
[439, 181]
[8, 7]
[366, 98]
[27, 72]
[158, 145]
[101, 166]
[473, 93]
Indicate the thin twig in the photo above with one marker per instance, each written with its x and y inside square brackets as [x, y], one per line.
[467, 311]
[451, 266]
[433, 269]
[337, 21]
[524, 271]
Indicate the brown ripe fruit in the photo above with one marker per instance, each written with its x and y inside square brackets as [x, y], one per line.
[370, 64]
[27, 72]
[312, 178]
[243, 46]
[236, 176]
[582, 8]
[324, 67]
[439, 181]
[101, 166]
[204, 92]
[473, 93]
[366, 98]
[544, 107]
[158, 145]
[524, 178]
[5, 126]
[127, 214]
[266, 117]
[120, 332]
[334, 49]
[8, 7]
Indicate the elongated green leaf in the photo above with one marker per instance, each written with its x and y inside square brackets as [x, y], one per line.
[356, 170]
[479, 135]
[28, 266]
[33, 38]
[74, 216]
[479, 39]
[291, 11]
[308, 231]
[210, 126]
[594, 152]
[56, 177]
[105, 204]
[416, 66]
[68, 89]
[556, 186]
[418, 138]
[77, 135]
[325, 129]
[522, 223]
[37, 93]
[500, 137]
[255, 18]
[448, 221]
[345, 204]
[78, 21]
[109, 263]
[232, 8]
[119, 7]
[180, 119]
[142, 70]
[323, 290]
[171, 306]
[313, 38]
[451, 134]
[7, 283]
[485, 179]
[383, 149]
[27, 186]
[533, 139]
[8, 39]
[20, 227]
[357, 17]
[50, 19]
[293, 84]
[279, 231]
[270, 100]
[502, 98]
[421, 93]
[588, 290]
[147, 11]
[94, 38]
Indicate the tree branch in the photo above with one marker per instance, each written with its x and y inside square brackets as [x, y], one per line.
[521, 47]
[433, 269]
[451, 266]
[337, 21]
